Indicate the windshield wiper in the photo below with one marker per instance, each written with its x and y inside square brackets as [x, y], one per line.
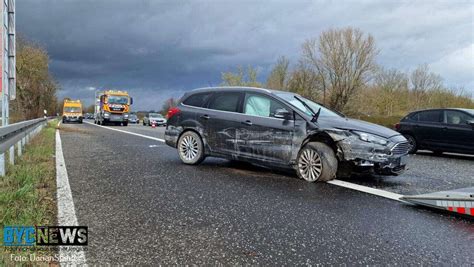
[315, 114]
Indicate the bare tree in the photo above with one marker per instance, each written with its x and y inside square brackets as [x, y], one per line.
[36, 89]
[390, 83]
[303, 80]
[279, 75]
[343, 59]
[423, 81]
[243, 77]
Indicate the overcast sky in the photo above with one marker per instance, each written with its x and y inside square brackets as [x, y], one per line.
[159, 49]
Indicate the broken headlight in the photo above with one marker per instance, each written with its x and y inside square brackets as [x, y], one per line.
[370, 138]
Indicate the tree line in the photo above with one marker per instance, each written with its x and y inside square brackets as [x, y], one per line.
[339, 70]
[36, 87]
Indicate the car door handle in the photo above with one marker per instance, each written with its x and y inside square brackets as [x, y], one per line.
[206, 117]
[247, 122]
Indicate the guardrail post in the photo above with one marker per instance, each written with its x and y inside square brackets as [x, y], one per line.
[11, 154]
[2, 164]
[18, 145]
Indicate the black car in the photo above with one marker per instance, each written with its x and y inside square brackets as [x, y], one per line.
[439, 130]
[276, 128]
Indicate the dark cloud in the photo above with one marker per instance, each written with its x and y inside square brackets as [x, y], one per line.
[158, 49]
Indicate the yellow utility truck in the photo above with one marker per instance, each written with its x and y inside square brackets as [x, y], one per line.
[112, 106]
[72, 111]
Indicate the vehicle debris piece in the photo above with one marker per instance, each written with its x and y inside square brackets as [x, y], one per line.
[459, 200]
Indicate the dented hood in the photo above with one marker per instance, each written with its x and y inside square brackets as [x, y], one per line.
[357, 125]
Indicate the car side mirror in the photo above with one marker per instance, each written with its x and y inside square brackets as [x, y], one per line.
[470, 122]
[282, 113]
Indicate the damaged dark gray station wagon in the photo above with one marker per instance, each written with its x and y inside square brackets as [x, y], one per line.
[282, 129]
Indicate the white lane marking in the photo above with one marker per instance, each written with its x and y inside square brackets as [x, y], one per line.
[59, 122]
[132, 133]
[366, 189]
[66, 211]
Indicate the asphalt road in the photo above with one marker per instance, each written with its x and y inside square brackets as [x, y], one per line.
[143, 206]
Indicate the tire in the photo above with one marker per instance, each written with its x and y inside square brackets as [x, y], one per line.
[414, 146]
[322, 160]
[190, 148]
[125, 124]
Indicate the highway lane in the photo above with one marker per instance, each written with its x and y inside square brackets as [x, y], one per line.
[426, 171]
[143, 206]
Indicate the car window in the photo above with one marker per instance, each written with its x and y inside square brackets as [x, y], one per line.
[430, 116]
[197, 100]
[225, 102]
[412, 117]
[260, 105]
[457, 117]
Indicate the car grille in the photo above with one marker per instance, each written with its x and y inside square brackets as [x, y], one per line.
[401, 148]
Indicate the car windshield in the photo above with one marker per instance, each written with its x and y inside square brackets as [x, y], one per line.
[155, 115]
[290, 98]
[72, 109]
[114, 99]
[470, 111]
[133, 116]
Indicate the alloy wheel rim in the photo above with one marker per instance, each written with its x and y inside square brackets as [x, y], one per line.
[310, 165]
[411, 142]
[189, 147]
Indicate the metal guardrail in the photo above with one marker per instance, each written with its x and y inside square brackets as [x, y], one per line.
[18, 134]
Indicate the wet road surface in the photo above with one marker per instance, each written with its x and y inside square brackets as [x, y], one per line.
[143, 206]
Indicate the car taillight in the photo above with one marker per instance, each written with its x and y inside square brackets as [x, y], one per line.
[172, 112]
[397, 126]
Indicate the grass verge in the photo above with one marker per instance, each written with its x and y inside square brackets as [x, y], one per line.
[28, 193]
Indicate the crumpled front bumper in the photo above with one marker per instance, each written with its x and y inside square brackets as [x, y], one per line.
[385, 160]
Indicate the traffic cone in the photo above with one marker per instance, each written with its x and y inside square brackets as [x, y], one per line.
[153, 125]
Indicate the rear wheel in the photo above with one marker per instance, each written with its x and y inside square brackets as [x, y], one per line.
[316, 162]
[191, 148]
[413, 145]
[125, 123]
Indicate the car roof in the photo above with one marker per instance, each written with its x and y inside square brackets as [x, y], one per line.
[239, 88]
[460, 109]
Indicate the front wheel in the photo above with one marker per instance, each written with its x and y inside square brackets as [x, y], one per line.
[413, 145]
[316, 162]
[191, 148]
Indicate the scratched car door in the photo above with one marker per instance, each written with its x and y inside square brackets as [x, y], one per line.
[261, 136]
